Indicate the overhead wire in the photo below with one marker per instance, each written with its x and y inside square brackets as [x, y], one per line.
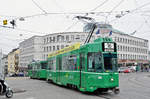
[113, 9]
[87, 14]
[131, 11]
[19, 29]
[39, 7]
[99, 5]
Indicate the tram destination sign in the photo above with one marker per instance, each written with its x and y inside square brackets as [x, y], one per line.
[108, 47]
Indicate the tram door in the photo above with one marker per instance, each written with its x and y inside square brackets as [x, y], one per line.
[82, 70]
[59, 68]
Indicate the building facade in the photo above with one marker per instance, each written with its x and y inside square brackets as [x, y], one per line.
[131, 50]
[57, 41]
[5, 64]
[13, 61]
[30, 50]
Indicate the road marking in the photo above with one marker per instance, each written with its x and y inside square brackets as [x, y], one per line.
[30, 98]
[16, 78]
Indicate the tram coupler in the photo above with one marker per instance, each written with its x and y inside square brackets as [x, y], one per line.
[116, 90]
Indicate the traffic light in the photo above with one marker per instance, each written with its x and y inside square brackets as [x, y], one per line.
[13, 23]
[4, 22]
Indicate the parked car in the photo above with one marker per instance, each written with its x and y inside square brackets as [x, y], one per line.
[124, 70]
[20, 74]
[132, 68]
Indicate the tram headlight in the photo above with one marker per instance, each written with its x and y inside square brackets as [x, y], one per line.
[99, 77]
[112, 79]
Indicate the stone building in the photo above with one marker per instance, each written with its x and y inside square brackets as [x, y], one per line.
[13, 61]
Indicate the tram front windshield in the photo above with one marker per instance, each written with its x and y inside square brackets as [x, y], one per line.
[95, 62]
[110, 62]
[44, 65]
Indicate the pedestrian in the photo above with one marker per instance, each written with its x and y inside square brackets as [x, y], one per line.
[147, 68]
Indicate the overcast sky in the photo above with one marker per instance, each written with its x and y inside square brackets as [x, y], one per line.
[137, 20]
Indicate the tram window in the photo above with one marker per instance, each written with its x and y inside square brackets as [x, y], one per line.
[69, 62]
[59, 63]
[82, 61]
[52, 64]
[38, 66]
[72, 62]
[64, 63]
[95, 62]
[34, 66]
[110, 62]
[43, 65]
[29, 67]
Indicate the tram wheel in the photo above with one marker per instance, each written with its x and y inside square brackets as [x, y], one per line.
[116, 90]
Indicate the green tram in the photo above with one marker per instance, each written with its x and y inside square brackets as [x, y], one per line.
[37, 70]
[90, 67]
[32, 70]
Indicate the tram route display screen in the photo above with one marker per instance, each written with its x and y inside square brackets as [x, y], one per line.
[109, 47]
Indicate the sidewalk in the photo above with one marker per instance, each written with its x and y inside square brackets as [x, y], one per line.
[16, 78]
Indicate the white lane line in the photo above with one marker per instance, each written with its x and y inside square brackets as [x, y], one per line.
[30, 98]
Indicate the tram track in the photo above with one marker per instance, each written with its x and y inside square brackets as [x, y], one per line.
[136, 81]
[135, 84]
[102, 96]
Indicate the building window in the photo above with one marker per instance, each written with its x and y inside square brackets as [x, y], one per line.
[44, 49]
[62, 38]
[83, 37]
[53, 39]
[118, 48]
[50, 39]
[49, 48]
[72, 37]
[77, 37]
[67, 45]
[53, 48]
[58, 38]
[47, 40]
[93, 38]
[62, 46]
[67, 37]
[44, 41]
[57, 47]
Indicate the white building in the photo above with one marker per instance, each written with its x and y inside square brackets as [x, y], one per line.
[130, 49]
[56, 41]
[30, 50]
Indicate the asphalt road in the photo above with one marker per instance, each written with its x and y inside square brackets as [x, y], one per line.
[132, 86]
